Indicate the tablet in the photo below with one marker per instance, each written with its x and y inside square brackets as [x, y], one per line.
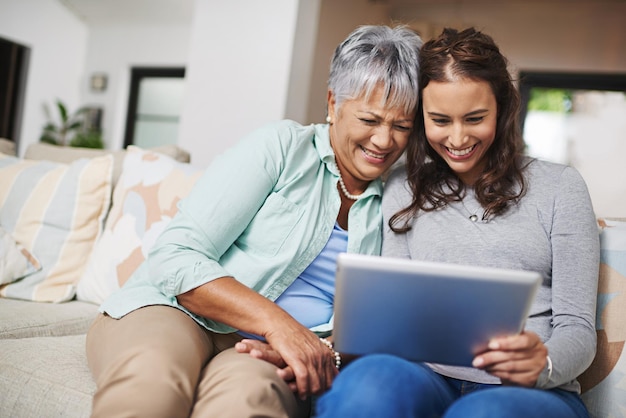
[426, 311]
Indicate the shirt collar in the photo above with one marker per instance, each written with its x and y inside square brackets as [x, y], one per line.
[327, 155]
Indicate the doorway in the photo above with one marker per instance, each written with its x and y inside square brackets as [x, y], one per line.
[154, 106]
[13, 72]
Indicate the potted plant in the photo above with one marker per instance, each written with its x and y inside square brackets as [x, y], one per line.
[70, 128]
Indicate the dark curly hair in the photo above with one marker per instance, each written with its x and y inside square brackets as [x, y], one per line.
[473, 55]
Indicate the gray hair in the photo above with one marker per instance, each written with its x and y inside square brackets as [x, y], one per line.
[374, 55]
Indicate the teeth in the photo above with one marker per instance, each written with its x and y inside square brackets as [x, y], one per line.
[460, 152]
[371, 154]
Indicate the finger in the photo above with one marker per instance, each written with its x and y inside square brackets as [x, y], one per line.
[523, 372]
[270, 356]
[246, 345]
[528, 379]
[494, 359]
[286, 373]
[522, 341]
[242, 347]
[301, 376]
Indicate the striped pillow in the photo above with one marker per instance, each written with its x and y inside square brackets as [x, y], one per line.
[15, 261]
[56, 212]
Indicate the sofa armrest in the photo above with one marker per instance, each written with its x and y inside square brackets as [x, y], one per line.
[7, 147]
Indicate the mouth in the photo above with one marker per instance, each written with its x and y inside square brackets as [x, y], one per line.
[461, 153]
[373, 155]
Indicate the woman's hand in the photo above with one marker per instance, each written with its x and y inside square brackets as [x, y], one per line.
[312, 370]
[516, 360]
[308, 363]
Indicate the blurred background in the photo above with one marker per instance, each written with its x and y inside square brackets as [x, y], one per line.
[203, 73]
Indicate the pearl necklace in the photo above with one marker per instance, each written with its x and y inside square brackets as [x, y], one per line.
[343, 188]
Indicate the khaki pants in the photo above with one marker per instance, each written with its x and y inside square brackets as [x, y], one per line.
[158, 362]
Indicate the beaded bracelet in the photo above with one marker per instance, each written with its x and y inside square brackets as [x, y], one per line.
[332, 350]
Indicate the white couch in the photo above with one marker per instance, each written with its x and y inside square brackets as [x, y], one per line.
[43, 370]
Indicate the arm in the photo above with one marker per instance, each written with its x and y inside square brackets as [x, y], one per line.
[310, 368]
[575, 259]
[185, 263]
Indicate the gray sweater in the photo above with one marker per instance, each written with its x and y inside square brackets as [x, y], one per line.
[552, 231]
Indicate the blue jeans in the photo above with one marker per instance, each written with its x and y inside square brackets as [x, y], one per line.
[386, 386]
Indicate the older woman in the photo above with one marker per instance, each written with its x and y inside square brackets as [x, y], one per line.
[251, 255]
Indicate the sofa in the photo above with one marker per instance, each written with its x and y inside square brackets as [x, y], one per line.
[110, 206]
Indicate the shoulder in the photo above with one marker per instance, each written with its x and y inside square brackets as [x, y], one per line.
[397, 178]
[397, 192]
[546, 174]
[275, 140]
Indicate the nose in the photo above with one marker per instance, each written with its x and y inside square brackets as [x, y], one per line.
[458, 136]
[383, 137]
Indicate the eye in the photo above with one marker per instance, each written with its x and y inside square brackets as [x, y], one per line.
[370, 122]
[475, 119]
[440, 121]
[403, 128]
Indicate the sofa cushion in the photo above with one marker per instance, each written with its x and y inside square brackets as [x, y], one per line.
[604, 383]
[45, 377]
[16, 262]
[56, 211]
[21, 318]
[144, 201]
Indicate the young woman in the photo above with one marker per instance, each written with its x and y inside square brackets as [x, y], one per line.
[469, 196]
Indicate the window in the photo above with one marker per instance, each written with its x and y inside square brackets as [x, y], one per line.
[580, 120]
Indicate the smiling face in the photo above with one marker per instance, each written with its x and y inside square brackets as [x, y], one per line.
[367, 137]
[460, 124]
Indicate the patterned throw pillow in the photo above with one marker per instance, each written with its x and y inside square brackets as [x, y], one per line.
[144, 201]
[55, 211]
[604, 383]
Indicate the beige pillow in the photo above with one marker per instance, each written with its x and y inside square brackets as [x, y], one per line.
[144, 201]
[55, 211]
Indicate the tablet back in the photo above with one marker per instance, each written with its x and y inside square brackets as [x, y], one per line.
[426, 311]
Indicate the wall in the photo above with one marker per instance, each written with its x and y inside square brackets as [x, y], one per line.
[245, 69]
[337, 20]
[58, 45]
[238, 73]
[114, 48]
[277, 56]
[66, 52]
[557, 35]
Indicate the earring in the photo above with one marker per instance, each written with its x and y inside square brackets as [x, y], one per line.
[328, 120]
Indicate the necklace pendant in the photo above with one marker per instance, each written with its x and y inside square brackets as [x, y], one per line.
[473, 218]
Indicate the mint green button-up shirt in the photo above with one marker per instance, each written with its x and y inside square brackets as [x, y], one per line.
[260, 213]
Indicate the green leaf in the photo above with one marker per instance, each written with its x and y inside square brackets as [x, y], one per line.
[62, 111]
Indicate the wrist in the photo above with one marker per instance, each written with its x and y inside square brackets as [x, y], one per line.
[546, 374]
[334, 353]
